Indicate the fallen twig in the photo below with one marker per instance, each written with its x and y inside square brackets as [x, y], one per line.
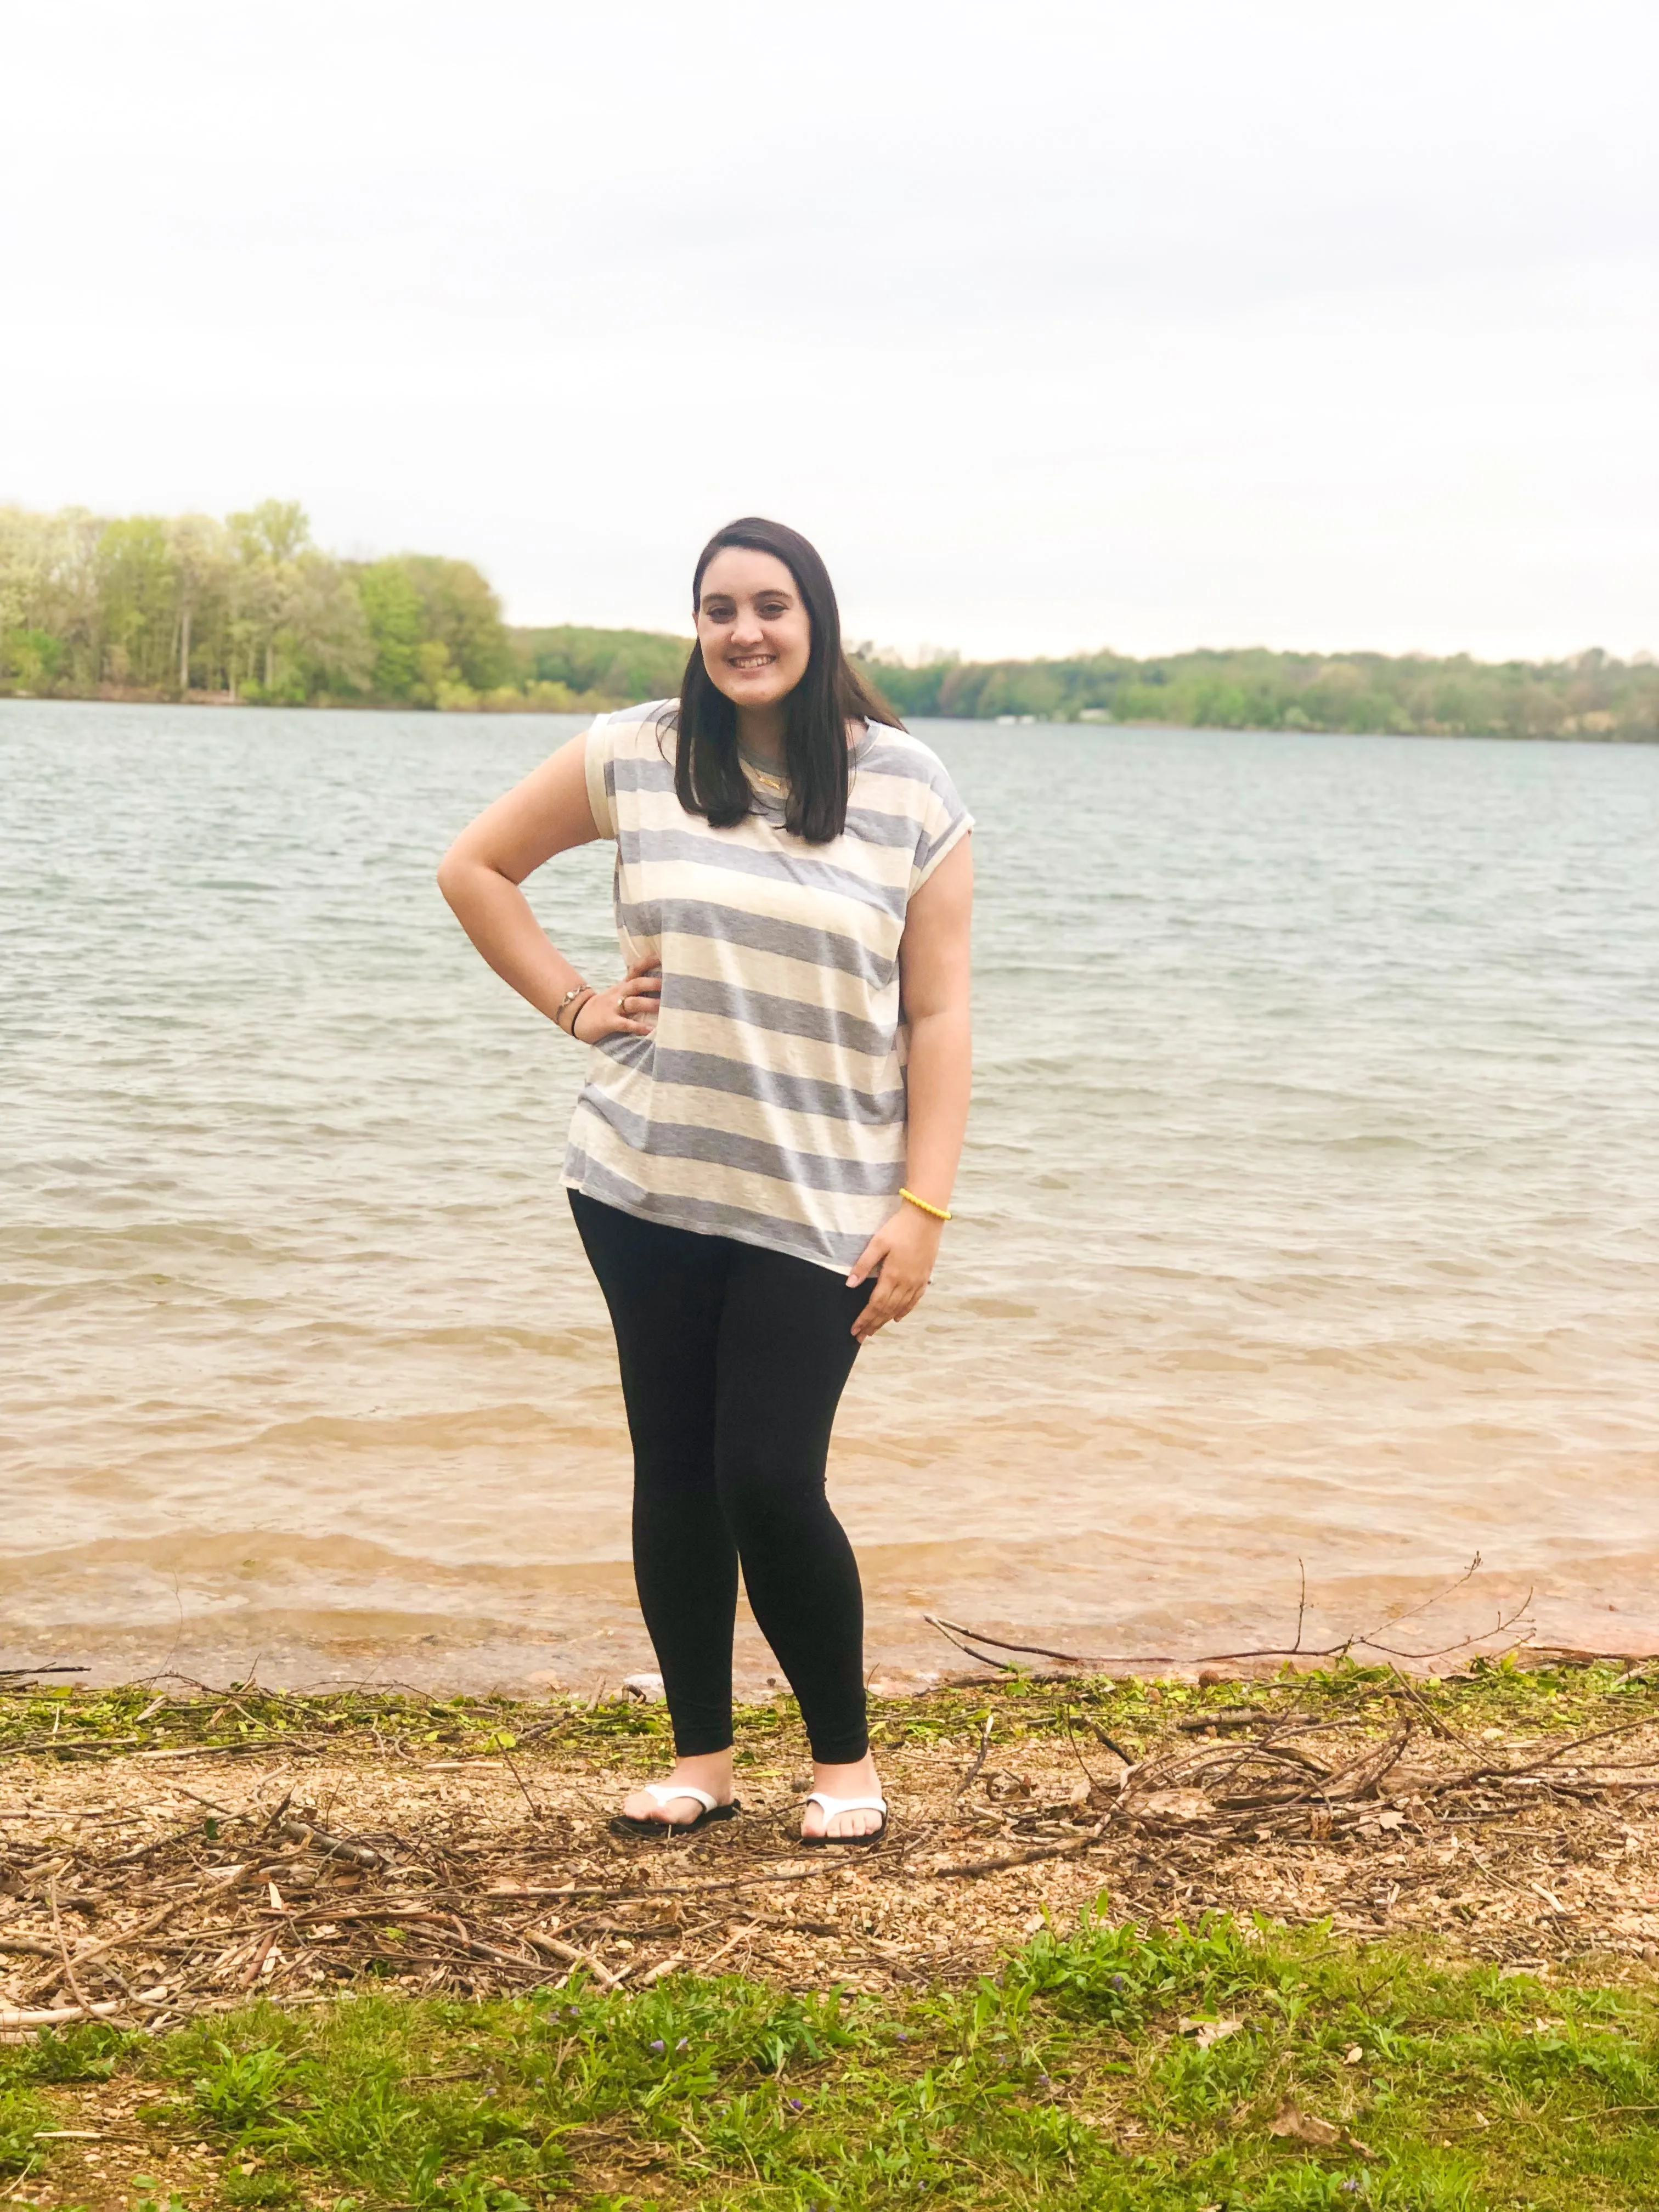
[572, 1956]
[75, 1989]
[332, 1847]
[972, 1775]
[13, 2019]
[1074, 1849]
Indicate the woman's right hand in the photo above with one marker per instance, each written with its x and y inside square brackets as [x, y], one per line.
[626, 1009]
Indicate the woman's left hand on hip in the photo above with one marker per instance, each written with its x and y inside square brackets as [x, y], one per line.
[903, 1249]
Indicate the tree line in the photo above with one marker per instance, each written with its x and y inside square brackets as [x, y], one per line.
[1589, 695]
[247, 609]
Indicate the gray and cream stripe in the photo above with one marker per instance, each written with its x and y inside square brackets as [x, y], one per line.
[769, 1104]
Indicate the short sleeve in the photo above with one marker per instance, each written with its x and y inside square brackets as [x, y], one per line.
[598, 758]
[944, 823]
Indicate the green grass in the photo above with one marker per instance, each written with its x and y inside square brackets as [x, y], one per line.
[1067, 2081]
[23, 2112]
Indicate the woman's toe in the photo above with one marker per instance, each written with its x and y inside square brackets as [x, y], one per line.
[674, 1813]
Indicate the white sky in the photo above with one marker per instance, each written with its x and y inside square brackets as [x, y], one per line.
[1148, 323]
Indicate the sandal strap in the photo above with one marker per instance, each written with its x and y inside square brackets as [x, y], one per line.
[666, 1792]
[833, 1805]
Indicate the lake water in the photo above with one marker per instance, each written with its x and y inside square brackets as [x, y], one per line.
[1310, 1211]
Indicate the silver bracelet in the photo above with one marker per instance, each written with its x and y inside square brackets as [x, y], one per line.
[583, 991]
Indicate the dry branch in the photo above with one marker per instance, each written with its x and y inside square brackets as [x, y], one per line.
[965, 1638]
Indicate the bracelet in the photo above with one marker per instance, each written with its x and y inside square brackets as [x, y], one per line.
[582, 993]
[939, 1213]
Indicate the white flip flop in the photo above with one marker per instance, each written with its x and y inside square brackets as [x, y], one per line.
[626, 1824]
[833, 1805]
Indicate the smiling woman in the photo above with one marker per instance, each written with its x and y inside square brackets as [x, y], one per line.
[762, 1155]
[769, 631]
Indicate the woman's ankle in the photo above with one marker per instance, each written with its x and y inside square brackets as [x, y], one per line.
[825, 1771]
[704, 1767]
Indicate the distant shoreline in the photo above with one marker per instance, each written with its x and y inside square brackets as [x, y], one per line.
[187, 610]
[108, 695]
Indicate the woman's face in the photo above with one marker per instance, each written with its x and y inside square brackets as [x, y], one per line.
[754, 631]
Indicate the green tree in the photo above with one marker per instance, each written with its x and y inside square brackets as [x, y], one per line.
[138, 590]
[323, 640]
[256, 615]
[396, 614]
[464, 616]
[267, 539]
[33, 659]
[618, 667]
[274, 532]
[204, 558]
[49, 582]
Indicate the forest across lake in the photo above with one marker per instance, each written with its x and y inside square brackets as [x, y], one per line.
[248, 611]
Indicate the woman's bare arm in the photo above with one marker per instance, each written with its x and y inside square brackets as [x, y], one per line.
[480, 875]
[934, 971]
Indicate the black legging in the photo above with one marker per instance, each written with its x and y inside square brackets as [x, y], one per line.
[733, 1359]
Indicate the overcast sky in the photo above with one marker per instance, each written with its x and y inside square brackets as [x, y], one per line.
[1141, 323]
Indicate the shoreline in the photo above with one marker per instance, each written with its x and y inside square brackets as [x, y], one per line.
[109, 695]
[577, 1631]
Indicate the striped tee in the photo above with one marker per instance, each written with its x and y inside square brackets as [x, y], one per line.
[769, 1102]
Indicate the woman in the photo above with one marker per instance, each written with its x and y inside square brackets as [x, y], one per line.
[760, 1159]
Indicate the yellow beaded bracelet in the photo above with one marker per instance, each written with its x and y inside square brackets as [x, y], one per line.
[939, 1213]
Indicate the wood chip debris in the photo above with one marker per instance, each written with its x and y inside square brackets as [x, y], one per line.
[354, 1861]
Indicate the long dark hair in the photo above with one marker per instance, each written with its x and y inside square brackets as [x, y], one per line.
[709, 777]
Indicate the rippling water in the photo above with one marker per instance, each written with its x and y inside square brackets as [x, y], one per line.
[1311, 1208]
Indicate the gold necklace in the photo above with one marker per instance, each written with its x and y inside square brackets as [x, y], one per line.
[761, 775]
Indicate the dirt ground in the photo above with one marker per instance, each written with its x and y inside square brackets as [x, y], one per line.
[150, 1885]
